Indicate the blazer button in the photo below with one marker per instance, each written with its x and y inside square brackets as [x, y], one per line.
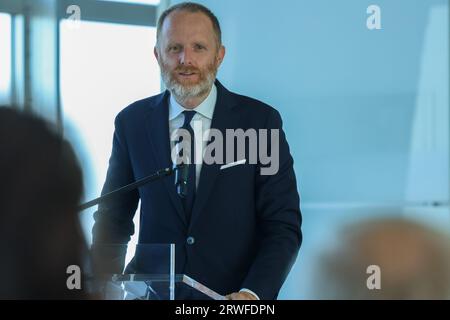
[190, 240]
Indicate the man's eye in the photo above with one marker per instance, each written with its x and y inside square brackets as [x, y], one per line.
[174, 49]
[199, 47]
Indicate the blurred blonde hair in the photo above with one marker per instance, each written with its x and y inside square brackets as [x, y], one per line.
[414, 261]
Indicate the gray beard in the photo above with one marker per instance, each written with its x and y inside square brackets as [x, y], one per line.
[183, 93]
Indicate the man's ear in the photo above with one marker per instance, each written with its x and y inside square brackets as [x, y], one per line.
[156, 53]
[220, 55]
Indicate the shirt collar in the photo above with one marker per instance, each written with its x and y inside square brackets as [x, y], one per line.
[206, 108]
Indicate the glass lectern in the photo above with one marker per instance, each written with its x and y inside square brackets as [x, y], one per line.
[149, 276]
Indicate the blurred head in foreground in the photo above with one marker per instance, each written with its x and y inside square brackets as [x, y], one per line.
[396, 258]
[40, 189]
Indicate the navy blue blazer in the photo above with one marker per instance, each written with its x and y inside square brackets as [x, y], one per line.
[245, 227]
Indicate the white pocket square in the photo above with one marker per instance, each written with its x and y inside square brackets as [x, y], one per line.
[232, 164]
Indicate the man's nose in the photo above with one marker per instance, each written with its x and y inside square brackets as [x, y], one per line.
[186, 57]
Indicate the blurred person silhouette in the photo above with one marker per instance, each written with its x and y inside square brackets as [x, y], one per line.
[413, 261]
[41, 186]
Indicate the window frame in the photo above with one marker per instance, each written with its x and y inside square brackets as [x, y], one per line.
[22, 11]
[112, 12]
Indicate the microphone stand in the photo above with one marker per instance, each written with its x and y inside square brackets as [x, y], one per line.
[181, 173]
[153, 177]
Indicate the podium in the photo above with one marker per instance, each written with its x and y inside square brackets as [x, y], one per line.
[153, 287]
[149, 276]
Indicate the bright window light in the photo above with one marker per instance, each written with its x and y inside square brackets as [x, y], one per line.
[5, 58]
[104, 68]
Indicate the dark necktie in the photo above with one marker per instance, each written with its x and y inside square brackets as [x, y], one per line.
[188, 201]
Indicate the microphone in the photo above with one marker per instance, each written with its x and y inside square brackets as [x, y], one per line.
[181, 178]
[181, 169]
[132, 186]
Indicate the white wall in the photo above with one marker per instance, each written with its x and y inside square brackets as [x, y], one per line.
[357, 106]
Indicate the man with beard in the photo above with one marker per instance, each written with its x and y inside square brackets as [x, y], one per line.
[235, 230]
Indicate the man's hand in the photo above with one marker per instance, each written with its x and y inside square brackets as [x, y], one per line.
[240, 296]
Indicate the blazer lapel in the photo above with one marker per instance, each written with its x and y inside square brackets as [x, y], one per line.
[157, 125]
[223, 119]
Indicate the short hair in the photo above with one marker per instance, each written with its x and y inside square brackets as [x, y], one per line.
[192, 8]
